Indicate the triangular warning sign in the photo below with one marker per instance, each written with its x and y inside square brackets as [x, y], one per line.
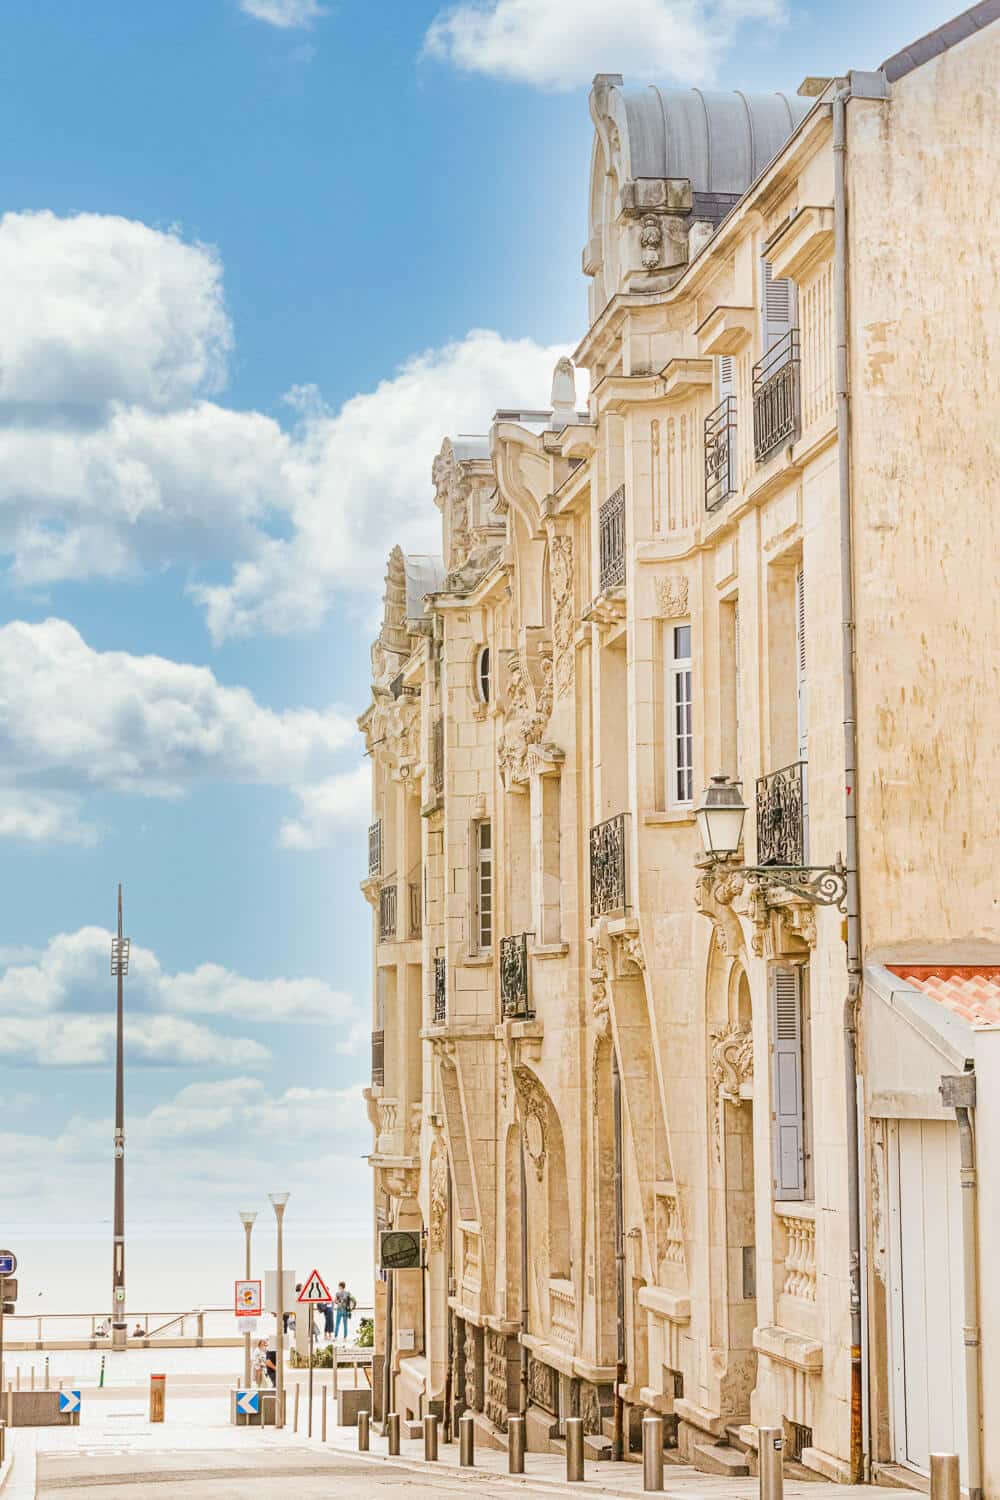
[314, 1289]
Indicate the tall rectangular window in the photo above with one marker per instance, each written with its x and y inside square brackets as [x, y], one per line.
[680, 733]
[484, 887]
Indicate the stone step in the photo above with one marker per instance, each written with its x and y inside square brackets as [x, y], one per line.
[715, 1458]
[734, 1439]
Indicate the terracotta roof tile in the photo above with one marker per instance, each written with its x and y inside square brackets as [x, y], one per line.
[969, 992]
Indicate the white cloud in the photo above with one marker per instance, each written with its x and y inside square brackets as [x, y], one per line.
[329, 807]
[551, 45]
[78, 718]
[284, 13]
[115, 459]
[89, 1040]
[97, 308]
[70, 978]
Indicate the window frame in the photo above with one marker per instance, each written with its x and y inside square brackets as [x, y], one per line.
[482, 933]
[677, 669]
[482, 682]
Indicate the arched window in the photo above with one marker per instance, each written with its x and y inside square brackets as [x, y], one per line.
[483, 674]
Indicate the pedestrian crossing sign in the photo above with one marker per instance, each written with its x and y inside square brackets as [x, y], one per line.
[314, 1289]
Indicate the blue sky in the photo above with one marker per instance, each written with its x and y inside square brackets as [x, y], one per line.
[246, 249]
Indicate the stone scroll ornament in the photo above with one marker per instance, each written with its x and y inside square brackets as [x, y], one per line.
[562, 612]
[534, 1117]
[732, 1068]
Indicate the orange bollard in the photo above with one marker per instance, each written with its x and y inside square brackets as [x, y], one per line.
[157, 1397]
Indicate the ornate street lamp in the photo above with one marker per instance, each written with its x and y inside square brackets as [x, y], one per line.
[278, 1201]
[720, 815]
[247, 1220]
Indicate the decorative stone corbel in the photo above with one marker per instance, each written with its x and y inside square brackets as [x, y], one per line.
[732, 1071]
[715, 891]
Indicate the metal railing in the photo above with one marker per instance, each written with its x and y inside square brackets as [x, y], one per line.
[440, 990]
[720, 453]
[416, 909]
[782, 816]
[776, 395]
[378, 1058]
[608, 873]
[514, 988]
[612, 540]
[437, 755]
[386, 913]
[375, 849]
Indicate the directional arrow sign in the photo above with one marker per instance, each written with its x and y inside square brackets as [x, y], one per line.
[248, 1403]
[8, 1262]
[314, 1289]
[69, 1401]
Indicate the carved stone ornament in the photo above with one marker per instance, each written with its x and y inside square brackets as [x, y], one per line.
[732, 1070]
[543, 1385]
[528, 707]
[452, 493]
[651, 241]
[401, 1182]
[630, 956]
[534, 1117]
[716, 889]
[561, 569]
[599, 998]
[395, 726]
[439, 1197]
[590, 1408]
[671, 596]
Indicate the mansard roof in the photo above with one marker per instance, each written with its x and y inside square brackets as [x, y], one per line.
[719, 142]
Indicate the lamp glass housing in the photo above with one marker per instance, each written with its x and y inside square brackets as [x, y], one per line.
[248, 1217]
[720, 814]
[279, 1199]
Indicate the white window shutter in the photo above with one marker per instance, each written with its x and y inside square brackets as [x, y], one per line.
[788, 1117]
[727, 376]
[777, 306]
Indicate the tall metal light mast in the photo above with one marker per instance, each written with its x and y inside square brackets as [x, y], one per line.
[119, 968]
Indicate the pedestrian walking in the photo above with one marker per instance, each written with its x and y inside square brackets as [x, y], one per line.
[326, 1308]
[344, 1304]
[271, 1361]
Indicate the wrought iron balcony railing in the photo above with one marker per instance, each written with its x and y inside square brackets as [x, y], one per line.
[608, 858]
[440, 990]
[378, 1058]
[782, 817]
[375, 849]
[776, 395]
[612, 540]
[514, 997]
[387, 913]
[416, 909]
[720, 453]
[437, 755]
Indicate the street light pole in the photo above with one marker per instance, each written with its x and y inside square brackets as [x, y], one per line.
[278, 1201]
[247, 1220]
[119, 968]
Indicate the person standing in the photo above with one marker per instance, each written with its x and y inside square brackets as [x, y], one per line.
[344, 1304]
[326, 1308]
[259, 1372]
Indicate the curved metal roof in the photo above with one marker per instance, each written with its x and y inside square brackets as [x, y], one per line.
[721, 142]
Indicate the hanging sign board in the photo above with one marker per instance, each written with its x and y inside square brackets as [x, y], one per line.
[400, 1250]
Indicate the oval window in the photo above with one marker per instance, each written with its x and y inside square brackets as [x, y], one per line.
[483, 674]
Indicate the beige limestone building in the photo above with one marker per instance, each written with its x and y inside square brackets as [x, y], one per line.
[671, 1124]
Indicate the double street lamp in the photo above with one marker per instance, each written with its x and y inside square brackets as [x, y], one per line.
[247, 1220]
[278, 1202]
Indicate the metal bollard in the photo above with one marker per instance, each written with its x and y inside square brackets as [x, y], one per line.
[945, 1483]
[770, 1452]
[392, 1428]
[322, 1430]
[466, 1440]
[364, 1431]
[574, 1449]
[430, 1438]
[652, 1454]
[515, 1445]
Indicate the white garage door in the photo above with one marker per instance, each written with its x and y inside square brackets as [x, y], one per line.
[928, 1352]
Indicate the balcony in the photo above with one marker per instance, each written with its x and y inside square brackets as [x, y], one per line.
[387, 914]
[612, 541]
[416, 909]
[776, 396]
[375, 850]
[378, 1058]
[720, 453]
[437, 755]
[514, 978]
[782, 816]
[608, 853]
[440, 990]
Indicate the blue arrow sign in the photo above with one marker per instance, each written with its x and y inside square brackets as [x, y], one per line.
[8, 1263]
[69, 1401]
[248, 1403]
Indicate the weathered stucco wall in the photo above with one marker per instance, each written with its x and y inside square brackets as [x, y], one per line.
[925, 312]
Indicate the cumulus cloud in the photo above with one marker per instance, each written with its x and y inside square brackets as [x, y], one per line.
[541, 42]
[69, 978]
[73, 719]
[89, 1040]
[117, 457]
[284, 13]
[328, 808]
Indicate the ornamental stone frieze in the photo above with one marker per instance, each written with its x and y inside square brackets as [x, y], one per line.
[534, 1108]
[527, 709]
[438, 1197]
[671, 596]
[563, 618]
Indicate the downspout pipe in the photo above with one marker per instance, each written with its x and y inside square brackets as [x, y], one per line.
[960, 1093]
[618, 1431]
[524, 1281]
[852, 897]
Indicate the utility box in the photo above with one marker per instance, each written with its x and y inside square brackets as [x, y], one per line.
[349, 1404]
